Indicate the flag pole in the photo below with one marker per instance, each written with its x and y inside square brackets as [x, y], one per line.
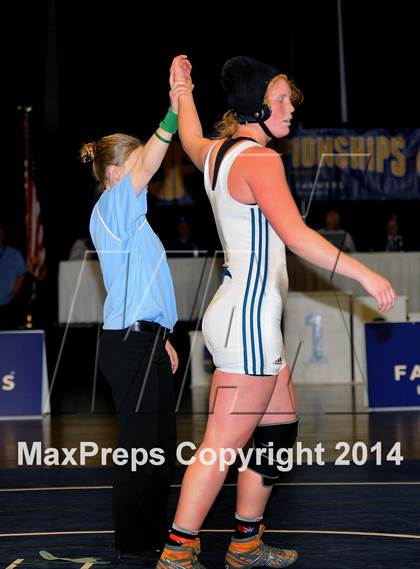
[31, 203]
[342, 65]
[28, 198]
[26, 109]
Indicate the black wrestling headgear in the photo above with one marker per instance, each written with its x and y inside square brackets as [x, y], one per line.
[245, 81]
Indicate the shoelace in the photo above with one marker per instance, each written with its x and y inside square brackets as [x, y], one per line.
[192, 563]
[272, 555]
[180, 563]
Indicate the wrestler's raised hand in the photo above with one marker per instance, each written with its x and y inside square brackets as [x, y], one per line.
[180, 71]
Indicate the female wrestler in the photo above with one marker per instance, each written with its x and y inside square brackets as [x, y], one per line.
[251, 391]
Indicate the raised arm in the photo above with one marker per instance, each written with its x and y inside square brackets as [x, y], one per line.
[190, 130]
[264, 173]
[146, 160]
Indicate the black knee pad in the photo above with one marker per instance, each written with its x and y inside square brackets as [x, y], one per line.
[273, 438]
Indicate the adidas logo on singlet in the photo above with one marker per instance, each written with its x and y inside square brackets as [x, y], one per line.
[278, 361]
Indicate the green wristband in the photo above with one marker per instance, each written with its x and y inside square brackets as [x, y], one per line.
[170, 122]
[161, 138]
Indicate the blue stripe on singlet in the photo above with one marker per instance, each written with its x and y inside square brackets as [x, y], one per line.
[254, 293]
[251, 264]
[261, 298]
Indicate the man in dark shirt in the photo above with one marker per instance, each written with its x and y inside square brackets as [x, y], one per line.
[394, 241]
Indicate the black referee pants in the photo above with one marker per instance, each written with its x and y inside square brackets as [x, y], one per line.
[138, 369]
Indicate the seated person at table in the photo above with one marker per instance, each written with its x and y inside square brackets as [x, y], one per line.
[183, 245]
[335, 234]
[394, 241]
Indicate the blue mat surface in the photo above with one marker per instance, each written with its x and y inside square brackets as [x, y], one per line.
[336, 518]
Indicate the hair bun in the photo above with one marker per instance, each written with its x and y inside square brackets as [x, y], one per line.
[88, 152]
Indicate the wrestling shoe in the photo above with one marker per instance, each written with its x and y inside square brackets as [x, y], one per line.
[181, 556]
[252, 552]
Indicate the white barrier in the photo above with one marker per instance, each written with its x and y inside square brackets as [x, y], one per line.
[319, 322]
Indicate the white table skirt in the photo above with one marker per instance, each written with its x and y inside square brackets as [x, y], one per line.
[402, 269]
[81, 293]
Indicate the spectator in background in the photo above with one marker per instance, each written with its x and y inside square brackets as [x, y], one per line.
[337, 236]
[12, 274]
[82, 247]
[394, 241]
[183, 242]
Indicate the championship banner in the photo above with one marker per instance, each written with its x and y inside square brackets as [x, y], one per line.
[343, 164]
[393, 364]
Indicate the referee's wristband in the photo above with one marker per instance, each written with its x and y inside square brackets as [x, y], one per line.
[170, 122]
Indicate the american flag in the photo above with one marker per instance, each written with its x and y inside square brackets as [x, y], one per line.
[33, 219]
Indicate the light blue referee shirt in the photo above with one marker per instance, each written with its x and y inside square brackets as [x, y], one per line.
[133, 261]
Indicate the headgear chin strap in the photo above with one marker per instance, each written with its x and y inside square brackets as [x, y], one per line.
[265, 128]
[245, 82]
[246, 119]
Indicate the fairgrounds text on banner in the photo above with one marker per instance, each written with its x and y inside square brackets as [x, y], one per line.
[341, 164]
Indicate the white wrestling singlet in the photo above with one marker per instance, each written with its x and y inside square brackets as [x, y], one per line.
[241, 325]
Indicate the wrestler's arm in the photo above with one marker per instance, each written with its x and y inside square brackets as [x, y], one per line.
[191, 133]
[264, 174]
[189, 126]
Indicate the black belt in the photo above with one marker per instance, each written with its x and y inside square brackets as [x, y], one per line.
[150, 328]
